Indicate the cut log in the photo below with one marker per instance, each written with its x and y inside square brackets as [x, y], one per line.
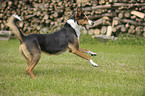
[110, 6]
[139, 30]
[139, 14]
[103, 37]
[123, 29]
[5, 35]
[99, 16]
[120, 15]
[133, 17]
[127, 14]
[97, 31]
[98, 22]
[84, 31]
[132, 29]
[115, 22]
[46, 17]
[130, 21]
[109, 31]
[114, 29]
[103, 30]
[38, 14]
[91, 32]
[127, 25]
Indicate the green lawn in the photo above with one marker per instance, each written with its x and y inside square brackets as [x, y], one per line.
[121, 71]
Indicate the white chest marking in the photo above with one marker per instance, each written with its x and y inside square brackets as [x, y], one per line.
[75, 26]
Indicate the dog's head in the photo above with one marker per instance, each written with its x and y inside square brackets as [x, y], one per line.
[81, 18]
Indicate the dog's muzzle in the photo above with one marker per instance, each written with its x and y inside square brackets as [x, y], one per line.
[91, 22]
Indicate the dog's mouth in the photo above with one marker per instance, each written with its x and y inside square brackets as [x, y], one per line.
[85, 27]
[90, 24]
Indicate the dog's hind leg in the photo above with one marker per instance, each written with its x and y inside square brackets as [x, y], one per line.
[32, 53]
[35, 54]
[33, 62]
[21, 51]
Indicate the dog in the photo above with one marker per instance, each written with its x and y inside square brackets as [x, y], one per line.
[65, 39]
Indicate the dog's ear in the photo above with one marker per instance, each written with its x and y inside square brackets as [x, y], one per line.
[78, 13]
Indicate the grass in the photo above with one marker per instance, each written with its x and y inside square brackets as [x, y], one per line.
[121, 71]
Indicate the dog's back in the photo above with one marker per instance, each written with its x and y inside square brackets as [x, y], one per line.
[55, 42]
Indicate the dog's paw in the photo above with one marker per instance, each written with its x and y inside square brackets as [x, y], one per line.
[93, 64]
[93, 54]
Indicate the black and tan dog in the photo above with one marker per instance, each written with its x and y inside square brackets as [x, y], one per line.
[65, 39]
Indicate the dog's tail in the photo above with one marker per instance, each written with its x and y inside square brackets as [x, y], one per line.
[12, 23]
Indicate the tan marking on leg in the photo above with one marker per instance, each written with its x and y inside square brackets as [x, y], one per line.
[34, 53]
[88, 52]
[25, 51]
[23, 55]
[32, 57]
[82, 49]
[78, 52]
[33, 63]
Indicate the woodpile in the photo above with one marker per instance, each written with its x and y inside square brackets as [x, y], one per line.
[111, 17]
[118, 16]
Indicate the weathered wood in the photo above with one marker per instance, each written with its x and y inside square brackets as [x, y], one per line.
[109, 6]
[114, 29]
[139, 30]
[99, 21]
[103, 37]
[103, 29]
[115, 22]
[139, 14]
[82, 1]
[120, 15]
[132, 29]
[127, 14]
[109, 30]
[97, 31]
[130, 21]
[91, 32]
[5, 35]
[123, 29]
[99, 16]
[38, 14]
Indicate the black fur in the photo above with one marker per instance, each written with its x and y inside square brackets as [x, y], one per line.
[54, 42]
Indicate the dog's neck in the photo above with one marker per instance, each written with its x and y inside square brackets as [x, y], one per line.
[75, 26]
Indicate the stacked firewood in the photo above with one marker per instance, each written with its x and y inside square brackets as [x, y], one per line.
[44, 16]
[118, 16]
[37, 15]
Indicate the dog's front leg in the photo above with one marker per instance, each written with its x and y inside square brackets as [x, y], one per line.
[88, 51]
[81, 54]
